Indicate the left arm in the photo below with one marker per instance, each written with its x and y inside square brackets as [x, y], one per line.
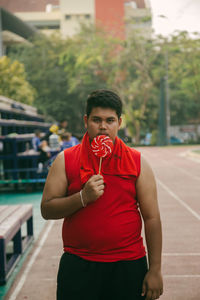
[147, 199]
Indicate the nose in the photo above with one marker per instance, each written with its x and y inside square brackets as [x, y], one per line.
[103, 125]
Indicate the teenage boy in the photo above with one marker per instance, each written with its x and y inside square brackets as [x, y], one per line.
[104, 256]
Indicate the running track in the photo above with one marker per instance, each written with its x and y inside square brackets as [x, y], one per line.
[178, 182]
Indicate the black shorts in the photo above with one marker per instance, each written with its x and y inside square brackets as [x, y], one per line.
[80, 279]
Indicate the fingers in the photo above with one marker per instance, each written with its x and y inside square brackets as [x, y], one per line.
[96, 181]
[96, 178]
[152, 295]
[93, 189]
[152, 285]
[155, 295]
[148, 295]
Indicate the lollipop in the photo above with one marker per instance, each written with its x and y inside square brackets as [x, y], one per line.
[102, 146]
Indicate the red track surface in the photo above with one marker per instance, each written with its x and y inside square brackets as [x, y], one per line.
[178, 181]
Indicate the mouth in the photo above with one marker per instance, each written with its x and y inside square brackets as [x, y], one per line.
[102, 133]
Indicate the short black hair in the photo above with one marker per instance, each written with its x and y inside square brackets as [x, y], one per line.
[105, 99]
[62, 121]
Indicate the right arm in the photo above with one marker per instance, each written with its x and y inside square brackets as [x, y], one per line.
[55, 202]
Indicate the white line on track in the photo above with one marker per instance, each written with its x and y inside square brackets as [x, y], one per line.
[180, 169]
[179, 199]
[187, 156]
[31, 262]
[181, 254]
[196, 160]
[181, 276]
[187, 173]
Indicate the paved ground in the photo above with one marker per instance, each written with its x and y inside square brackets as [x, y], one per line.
[178, 179]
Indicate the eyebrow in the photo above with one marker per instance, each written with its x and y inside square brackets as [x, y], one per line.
[99, 118]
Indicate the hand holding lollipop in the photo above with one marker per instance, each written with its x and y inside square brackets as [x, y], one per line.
[102, 146]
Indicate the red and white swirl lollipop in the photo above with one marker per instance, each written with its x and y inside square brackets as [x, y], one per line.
[102, 146]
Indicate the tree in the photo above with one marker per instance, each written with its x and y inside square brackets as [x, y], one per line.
[88, 61]
[41, 61]
[134, 80]
[184, 79]
[13, 82]
[64, 72]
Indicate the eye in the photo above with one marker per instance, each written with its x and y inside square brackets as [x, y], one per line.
[110, 121]
[96, 120]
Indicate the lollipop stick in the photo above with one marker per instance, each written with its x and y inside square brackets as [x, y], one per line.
[100, 164]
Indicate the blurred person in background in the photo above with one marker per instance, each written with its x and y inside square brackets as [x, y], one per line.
[36, 140]
[68, 141]
[58, 129]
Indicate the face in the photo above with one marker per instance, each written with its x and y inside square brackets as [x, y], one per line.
[64, 124]
[102, 121]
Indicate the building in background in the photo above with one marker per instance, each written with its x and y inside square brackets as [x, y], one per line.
[138, 17]
[66, 15]
[42, 14]
[75, 12]
[13, 30]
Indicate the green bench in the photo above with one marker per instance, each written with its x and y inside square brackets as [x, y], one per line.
[16, 234]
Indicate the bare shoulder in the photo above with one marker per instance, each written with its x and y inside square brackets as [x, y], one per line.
[56, 182]
[146, 177]
[58, 166]
[146, 169]
[146, 190]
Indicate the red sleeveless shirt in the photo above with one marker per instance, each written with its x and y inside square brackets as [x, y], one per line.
[109, 229]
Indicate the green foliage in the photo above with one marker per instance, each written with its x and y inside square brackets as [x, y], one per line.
[13, 83]
[48, 77]
[136, 84]
[88, 62]
[146, 19]
[184, 78]
[154, 138]
[64, 72]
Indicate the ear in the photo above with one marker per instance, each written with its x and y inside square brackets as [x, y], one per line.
[85, 118]
[120, 122]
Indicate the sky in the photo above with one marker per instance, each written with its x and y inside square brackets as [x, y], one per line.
[179, 15]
